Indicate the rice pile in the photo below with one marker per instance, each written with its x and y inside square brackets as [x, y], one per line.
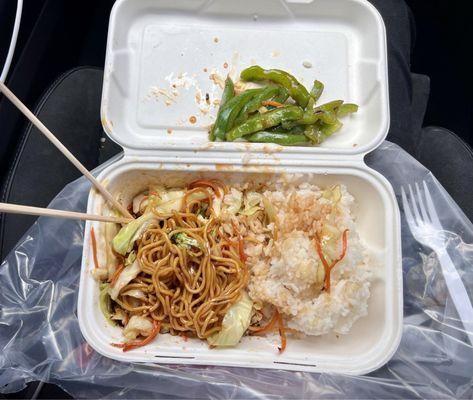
[286, 270]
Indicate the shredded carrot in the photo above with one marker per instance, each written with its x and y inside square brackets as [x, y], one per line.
[282, 333]
[184, 336]
[94, 247]
[318, 245]
[269, 326]
[116, 274]
[272, 103]
[133, 344]
[241, 249]
[328, 268]
[344, 248]
[276, 319]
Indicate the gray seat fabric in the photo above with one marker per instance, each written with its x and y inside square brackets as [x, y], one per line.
[71, 109]
[451, 161]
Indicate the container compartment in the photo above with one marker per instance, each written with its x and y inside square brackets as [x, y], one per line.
[155, 45]
[373, 338]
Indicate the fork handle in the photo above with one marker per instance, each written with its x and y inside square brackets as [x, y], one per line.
[457, 292]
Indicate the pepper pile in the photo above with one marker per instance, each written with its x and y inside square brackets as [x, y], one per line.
[283, 112]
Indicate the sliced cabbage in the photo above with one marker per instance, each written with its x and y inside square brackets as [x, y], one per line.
[233, 201]
[170, 201]
[184, 241]
[269, 209]
[333, 194]
[99, 274]
[235, 323]
[196, 196]
[143, 201]
[137, 326]
[139, 202]
[154, 198]
[110, 232]
[107, 259]
[128, 274]
[105, 302]
[124, 240]
[156, 189]
[119, 315]
[135, 293]
[329, 233]
[202, 219]
[252, 203]
[217, 206]
[131, 258]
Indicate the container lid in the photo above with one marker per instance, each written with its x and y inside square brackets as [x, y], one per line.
[166, 62]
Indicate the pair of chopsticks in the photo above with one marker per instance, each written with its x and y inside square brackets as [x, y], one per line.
[19, 209]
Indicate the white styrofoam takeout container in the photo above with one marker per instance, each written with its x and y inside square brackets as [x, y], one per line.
[153, 45]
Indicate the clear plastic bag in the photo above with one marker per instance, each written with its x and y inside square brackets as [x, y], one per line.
[41, 339]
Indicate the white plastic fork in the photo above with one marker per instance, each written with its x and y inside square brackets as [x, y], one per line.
[426, 228]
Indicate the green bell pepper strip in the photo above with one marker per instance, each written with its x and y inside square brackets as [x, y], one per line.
[228, 93]
[320, 131]
[297, 129]
[345, 109]
[264, 121]
[282, 96]
[255, 103]
[228, 113]
[313, 133]
[325, 112]
[328, 117]
[315, 94]
[308, 118]
[317, 90]
[331, 106]
[297, 91]
[283, 139]
[329, 129]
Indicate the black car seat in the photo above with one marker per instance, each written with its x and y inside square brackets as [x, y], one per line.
[71, 109]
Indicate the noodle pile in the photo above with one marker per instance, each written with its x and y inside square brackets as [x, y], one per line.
[188, 289]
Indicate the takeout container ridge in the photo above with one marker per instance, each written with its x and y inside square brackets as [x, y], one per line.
[159, 58]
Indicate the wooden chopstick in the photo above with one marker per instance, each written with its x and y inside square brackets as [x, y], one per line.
[19, 209]
[56, 142]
